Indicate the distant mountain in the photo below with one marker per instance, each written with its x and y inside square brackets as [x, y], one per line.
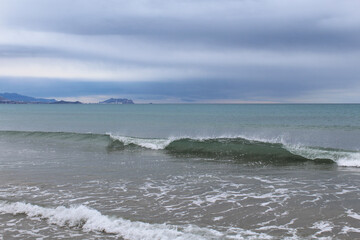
[14, 97]
[65, 102]
[6, 101]
[117, 101]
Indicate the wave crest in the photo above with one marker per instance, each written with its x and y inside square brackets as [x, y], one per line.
[91, 220]
[240, 148]
[150, 143]
[234, 148]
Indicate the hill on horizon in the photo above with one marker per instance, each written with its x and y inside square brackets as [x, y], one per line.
[117, 101]
[22, 98]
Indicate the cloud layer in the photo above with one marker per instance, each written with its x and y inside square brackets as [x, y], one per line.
[192, 51]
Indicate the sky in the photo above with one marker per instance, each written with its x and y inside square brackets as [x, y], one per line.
[182, 51]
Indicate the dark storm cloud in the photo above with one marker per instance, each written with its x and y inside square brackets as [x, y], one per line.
[221, 23]
[190, 50]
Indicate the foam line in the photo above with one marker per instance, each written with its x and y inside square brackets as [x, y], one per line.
[91, 220]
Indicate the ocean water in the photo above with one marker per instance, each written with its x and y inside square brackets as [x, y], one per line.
[180, 171]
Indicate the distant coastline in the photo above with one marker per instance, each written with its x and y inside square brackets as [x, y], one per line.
[117, 101]
[15, 98]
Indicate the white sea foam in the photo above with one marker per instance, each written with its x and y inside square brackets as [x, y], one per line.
[351, 161]
[342, 158]
[352, 214]
[323, 226]
[151, 143]
[347, 229]
[91, 220]
[162, 143]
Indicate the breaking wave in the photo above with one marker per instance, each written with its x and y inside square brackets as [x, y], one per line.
[90, 220]
[238, 148]
[234, 148]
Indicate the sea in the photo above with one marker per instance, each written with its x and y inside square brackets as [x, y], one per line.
[180, 171]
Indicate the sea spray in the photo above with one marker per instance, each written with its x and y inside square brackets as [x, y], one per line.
[237, 147]
[91, 220]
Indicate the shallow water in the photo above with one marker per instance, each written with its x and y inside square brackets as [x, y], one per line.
[179, 171]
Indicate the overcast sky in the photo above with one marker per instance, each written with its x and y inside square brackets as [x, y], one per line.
[183, 50]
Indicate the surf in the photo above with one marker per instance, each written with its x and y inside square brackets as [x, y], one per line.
[236, 148]
[88, 219]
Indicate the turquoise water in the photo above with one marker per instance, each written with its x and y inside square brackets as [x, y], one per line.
[180, 171]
